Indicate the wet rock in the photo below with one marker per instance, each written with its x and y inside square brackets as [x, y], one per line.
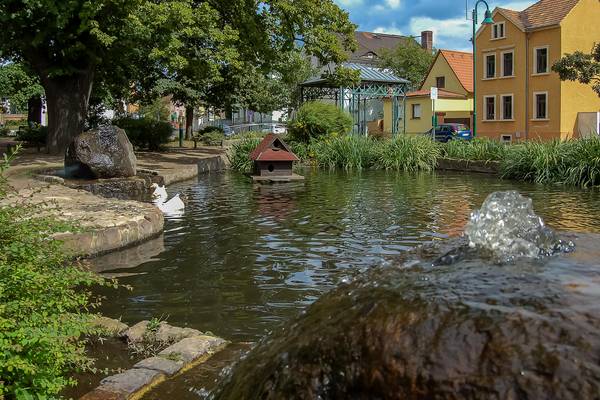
[105, 152]
[136, 333]
[129, 382]
[161, 364]
[171, 334]
[192, 348]
[109, 326]
[470, 330]
[162, 332]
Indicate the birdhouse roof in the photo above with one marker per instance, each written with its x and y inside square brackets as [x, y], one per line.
[273, 148]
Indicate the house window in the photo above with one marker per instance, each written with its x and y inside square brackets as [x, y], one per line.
[508, 63]
[540, 105]
[489, 108]
[440, 82]
[490, 66]
[540, 56]
[507, 106]
[506, 138]
[498, 31]
[416, 111]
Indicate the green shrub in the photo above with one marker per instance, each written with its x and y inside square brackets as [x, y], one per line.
[408, 153]
[146, 133]
[584, 168]
[212, 138]
[44, 306]
[239, 155]
[35, 135]
[209, 129]
[316, 119]
[474, 150]
[4, 131]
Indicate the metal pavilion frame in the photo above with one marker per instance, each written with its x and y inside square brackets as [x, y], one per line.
[354, 99]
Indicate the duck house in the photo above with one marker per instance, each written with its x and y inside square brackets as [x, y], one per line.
[273, 160]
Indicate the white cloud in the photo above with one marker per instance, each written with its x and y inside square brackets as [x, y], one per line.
[392, 30]
[393, 3]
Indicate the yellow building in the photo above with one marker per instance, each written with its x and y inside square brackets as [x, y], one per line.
[452, 73]
[518, 95]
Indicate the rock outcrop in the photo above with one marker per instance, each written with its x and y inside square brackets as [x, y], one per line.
[470, 330]
[105, 152]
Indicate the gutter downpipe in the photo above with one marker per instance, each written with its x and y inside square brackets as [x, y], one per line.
[527, 34]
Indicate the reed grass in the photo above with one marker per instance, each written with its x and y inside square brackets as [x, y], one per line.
[475, 150]
[407, 153]
[239, 155]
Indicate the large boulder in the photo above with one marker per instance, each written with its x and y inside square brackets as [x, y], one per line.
[471, 330]
[105, 152]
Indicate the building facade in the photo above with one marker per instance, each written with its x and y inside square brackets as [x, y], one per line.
[519, 97]
[452, 73]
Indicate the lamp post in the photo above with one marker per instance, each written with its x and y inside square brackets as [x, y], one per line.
[487, 20]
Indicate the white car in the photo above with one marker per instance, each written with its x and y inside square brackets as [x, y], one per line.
[277, 129]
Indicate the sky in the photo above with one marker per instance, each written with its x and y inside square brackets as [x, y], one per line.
[446, 18]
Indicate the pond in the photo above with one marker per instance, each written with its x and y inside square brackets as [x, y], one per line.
[246, 257]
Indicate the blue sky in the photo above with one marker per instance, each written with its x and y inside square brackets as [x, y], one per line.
[446, 18]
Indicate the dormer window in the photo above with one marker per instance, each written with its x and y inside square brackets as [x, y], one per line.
[498, 31]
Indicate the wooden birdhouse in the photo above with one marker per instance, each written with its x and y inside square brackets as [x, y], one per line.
[273, 160]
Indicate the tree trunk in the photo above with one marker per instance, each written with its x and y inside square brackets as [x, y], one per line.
[189, 122]
[67, 98]
[34, 110]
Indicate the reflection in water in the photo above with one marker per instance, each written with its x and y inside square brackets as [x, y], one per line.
[244, 258]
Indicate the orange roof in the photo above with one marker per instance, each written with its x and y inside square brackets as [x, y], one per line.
[441, 93]
[541, 14]
[272, 148]
[462, 64]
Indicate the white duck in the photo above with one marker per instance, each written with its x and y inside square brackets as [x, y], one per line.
[160, 193]
[172, 208]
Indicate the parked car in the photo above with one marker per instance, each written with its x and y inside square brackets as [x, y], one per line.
[446, 132]
[227, 130]
[277, 129]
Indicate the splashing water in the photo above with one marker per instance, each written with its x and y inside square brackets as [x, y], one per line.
[508, 228]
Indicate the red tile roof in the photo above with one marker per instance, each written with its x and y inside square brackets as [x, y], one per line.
[541, 14]
[462, 64]
[272, 148]
[445, 94]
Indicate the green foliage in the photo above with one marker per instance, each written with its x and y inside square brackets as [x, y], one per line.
[239, 155]
[476, 150]
[573, 162]
[209, 129]
[157, 109]
[44, 305]
[34, 135]
[342, 77]
[408, 153]
[316, 119]
[212, 138]
[409, 61]
[146, 133]
[350, 152]
[19, 84]
[581, 67]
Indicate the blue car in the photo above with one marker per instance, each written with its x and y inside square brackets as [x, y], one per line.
[447, 132]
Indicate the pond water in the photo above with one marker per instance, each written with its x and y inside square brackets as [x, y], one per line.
[244, 257]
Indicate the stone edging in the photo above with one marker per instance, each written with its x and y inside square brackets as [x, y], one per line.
[146, 374]
[486, 167]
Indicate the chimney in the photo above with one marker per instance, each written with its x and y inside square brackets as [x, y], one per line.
[427, 40]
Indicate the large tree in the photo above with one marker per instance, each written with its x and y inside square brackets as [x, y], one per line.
[71, 44]
[581, 67]
[409, 61]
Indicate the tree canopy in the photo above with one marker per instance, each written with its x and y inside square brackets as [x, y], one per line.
[18, 84]
[186, 47]
[409, 61]
[581, 67]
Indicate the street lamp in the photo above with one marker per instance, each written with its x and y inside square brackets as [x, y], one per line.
[486, 21]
